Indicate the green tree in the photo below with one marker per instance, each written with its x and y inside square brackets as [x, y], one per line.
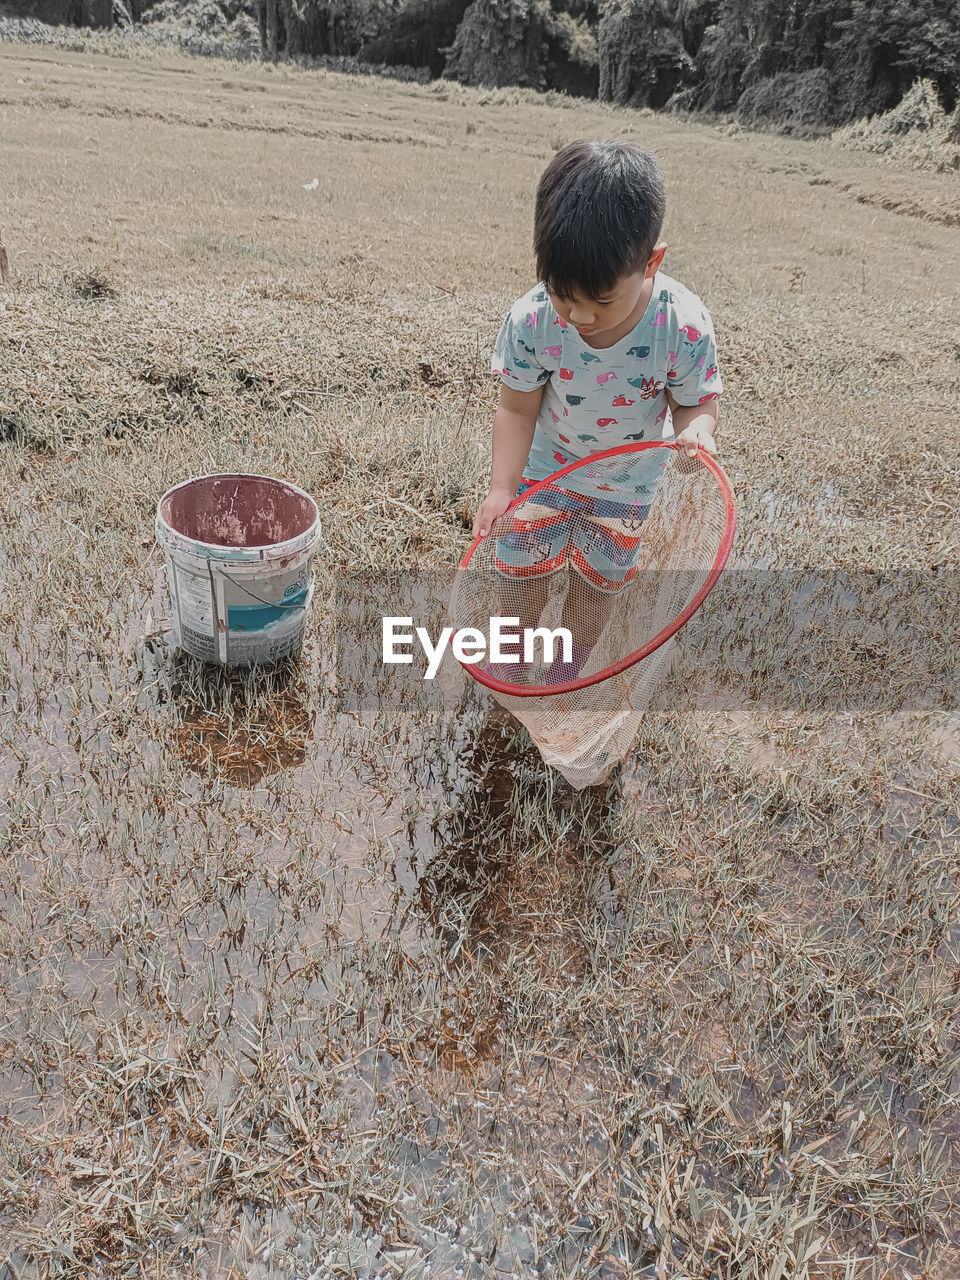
[523, 42]
[317, 27]
[888, 44]
[641, 51]
[417, 33]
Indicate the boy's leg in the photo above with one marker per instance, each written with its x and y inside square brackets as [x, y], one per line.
[527, 559]
[602, 564]
[586, 610]
[525, 599]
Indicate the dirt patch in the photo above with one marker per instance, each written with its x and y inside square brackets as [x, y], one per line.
[249, 738]
[910, 208]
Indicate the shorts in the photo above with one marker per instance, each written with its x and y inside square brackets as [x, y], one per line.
[599, 537]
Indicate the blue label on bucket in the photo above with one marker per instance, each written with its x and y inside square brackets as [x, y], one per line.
[254, 617]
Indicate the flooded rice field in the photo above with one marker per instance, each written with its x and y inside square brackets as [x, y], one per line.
[301, 983]
[317, 972]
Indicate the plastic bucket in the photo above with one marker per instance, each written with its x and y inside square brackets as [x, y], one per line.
[239, 553]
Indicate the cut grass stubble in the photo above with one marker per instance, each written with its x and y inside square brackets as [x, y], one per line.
[289, 988]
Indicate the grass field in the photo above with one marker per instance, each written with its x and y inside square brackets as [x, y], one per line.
[294, 987]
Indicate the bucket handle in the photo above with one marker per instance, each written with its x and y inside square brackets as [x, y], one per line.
[273, 604]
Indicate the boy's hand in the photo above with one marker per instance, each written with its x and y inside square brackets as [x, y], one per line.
[695, 437]
[492, 507]
[694, 426]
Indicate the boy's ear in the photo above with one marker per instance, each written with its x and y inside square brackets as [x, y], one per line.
[653, 265]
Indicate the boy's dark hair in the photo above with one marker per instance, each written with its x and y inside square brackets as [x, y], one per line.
[598, 216]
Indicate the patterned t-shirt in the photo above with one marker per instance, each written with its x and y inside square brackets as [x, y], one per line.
[597, 398]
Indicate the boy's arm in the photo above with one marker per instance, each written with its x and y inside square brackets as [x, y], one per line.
[695, 425]
[513, 427]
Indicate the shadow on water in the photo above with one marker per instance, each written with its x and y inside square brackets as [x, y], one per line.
[243, 723]
[514, 854]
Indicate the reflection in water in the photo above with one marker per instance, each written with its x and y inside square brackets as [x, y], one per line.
[242, 723]
[515, 856]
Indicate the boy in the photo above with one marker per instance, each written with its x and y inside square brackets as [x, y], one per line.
[595, 355]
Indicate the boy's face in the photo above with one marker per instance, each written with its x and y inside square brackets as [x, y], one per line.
[624, 303]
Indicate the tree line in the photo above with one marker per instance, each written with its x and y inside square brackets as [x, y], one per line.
[813, 63]
[805, 62]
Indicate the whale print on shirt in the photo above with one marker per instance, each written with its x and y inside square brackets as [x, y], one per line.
[675, 337]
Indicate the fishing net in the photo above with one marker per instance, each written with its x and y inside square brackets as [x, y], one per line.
[620, 549]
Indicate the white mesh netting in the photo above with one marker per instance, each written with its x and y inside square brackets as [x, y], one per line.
[616, 549]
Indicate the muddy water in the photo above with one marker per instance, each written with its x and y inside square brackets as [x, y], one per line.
[238, 511]
[189, 850]
[186, 843]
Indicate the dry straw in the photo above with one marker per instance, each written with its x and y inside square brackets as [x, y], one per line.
[292, 989]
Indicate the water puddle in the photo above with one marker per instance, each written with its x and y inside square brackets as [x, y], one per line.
[383, 947]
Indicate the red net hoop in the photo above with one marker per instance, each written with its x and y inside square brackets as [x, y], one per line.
[619, 550]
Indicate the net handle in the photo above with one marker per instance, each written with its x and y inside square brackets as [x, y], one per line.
[671, 629]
